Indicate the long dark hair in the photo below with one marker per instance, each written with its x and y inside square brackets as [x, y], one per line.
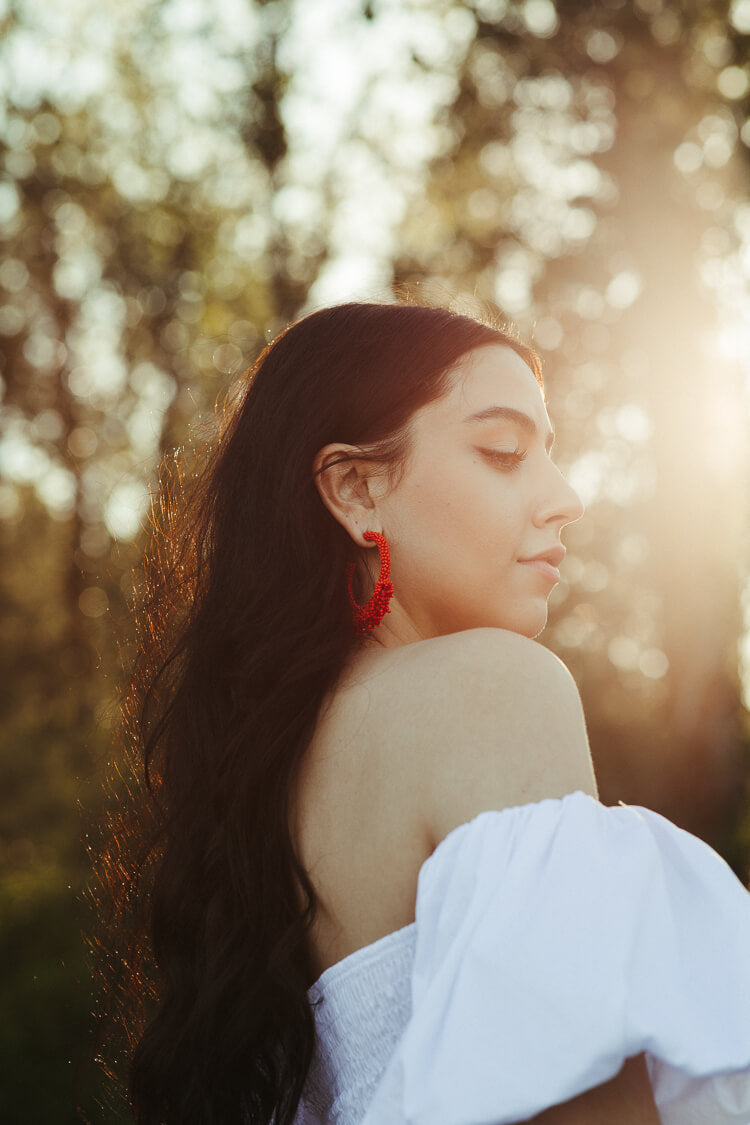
[243, 628]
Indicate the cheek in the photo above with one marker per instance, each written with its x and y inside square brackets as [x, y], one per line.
[437, 496]
[462, 511]
[423, 519]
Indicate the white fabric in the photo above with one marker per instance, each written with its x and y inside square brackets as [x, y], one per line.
[552, 941]
[362, 1005]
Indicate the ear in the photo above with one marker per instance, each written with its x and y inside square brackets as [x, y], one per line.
[345, 488]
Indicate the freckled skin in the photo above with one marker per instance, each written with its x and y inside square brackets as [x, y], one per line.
[459, 522]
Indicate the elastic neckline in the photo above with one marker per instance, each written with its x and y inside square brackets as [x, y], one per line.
[362, 954]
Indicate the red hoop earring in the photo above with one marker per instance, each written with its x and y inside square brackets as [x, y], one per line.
[366, 617]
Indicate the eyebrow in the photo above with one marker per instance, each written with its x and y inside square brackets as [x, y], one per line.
[523, 420]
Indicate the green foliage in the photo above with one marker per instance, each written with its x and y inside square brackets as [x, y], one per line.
[46, 1002]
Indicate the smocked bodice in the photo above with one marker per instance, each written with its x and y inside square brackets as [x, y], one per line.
[362, 1005]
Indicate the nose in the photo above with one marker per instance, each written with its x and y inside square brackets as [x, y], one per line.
[561, 503]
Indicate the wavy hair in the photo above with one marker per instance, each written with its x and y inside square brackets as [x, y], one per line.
[243, 628]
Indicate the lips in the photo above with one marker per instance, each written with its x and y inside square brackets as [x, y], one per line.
[547, 562]
[553, 555]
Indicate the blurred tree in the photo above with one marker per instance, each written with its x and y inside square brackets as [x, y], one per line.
[157, 225]
[141, 263]
[590, 174]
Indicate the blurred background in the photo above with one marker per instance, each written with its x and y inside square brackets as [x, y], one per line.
[179, 179]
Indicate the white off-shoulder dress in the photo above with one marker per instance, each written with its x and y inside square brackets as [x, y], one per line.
[552, 941]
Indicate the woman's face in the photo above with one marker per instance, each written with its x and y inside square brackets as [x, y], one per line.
[480, 498]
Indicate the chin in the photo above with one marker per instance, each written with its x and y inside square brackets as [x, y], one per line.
[531, 624]
[528, 617]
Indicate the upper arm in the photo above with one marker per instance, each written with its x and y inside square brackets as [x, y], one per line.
[626, 1099]
[504, 726]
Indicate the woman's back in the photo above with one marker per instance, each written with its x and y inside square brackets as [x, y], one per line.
[357, 824]
[377, 792]
[414, 741]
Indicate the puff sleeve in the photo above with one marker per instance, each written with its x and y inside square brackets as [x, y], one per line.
[557, 939]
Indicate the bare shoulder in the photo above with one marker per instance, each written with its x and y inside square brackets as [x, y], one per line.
[496, 721]
[488, 649]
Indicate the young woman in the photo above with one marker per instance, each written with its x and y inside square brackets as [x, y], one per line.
[369, 874]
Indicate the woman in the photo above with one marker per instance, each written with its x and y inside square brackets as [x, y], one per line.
[370, 868]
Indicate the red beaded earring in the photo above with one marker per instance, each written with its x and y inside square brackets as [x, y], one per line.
[366, 617]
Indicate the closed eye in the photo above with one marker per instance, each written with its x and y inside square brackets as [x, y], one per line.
[507, 460]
